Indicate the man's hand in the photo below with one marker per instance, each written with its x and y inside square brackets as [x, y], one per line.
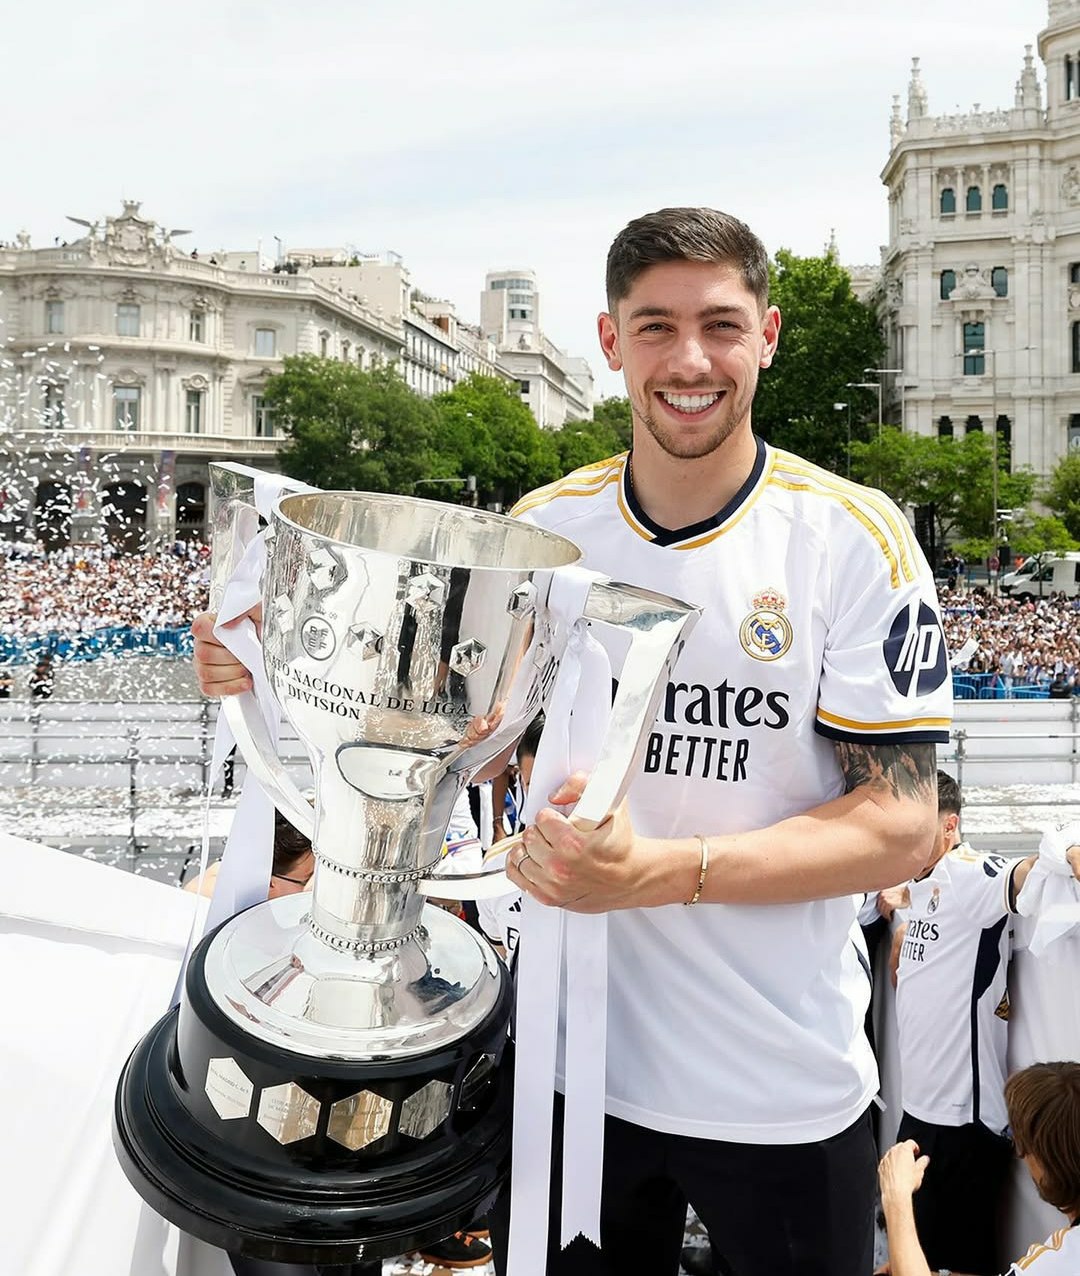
[901, 1172]
[585, 871]
[1072, 858]
[217, 669]
[888, 901]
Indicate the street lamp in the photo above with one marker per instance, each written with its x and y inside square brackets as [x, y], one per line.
[839, 407]
[882, 372]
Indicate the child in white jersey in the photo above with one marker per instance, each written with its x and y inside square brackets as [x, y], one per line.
[1044, 1114]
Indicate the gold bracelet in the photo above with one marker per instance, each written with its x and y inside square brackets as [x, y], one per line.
[704, 869]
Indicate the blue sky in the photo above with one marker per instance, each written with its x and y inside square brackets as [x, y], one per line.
[471, 136]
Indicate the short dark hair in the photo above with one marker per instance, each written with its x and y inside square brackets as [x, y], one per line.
[948, 795]
[290, 846]
[1044, 1113]
[686, 234]
[530, 741]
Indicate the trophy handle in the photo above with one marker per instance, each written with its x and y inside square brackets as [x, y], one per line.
[249, 730]
[658, 627]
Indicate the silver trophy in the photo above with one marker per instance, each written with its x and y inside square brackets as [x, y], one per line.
[336, 1085]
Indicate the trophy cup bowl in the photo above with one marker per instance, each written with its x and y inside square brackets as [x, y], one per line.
[334, 1085]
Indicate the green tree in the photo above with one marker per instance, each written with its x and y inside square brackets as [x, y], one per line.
[581, 443]
[614, 415]
[1044, 534]
[1062, 492]
[828, 337]
[484, 429]
[350, 429]
[952, 477]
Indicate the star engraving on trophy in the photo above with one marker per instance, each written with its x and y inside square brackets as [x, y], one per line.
[425, 592]
[523, 600]
[367, 639]
[284, 613]
[466, 657]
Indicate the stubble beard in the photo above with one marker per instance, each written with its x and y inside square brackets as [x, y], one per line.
[692, 448]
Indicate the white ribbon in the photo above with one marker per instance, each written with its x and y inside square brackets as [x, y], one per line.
[577, 714]
[243, 877]
[1051, 894]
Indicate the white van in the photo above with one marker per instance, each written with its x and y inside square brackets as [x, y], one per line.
[1053, 576]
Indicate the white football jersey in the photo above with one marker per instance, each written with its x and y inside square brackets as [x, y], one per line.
[820, 624]
[951, 1002]
[1058, 1255]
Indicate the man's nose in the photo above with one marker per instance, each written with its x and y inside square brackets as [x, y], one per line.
[688, 358]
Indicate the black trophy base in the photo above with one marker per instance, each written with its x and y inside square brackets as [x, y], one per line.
[284, 1157]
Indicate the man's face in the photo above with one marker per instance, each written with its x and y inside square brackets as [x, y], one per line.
[690, 339]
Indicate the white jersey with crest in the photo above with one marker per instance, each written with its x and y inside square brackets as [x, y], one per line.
[951, 1004]
[1058, 1255]
[820, 624]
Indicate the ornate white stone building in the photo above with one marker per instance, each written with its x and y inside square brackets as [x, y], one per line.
[980, 284]
[557, 387]
[126, 364]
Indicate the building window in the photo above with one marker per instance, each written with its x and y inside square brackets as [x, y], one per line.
[523, 386]
[945, 427]
[126, 407]
[196, 326]
[54, 316]
[1076, 347]
[53, 408]
[1004, 434]
[999, 198]
[948, 283]
[973, 425]
[973, 202]
[516, 312]
[193, 412]
[1074, 432]
[948, 202]
[1074, 272]
[974, 345]
[346, 346]
[127, 319]
[999, 277]
[265, 343]
[324, 344]
[262, 418]
[1070, 79]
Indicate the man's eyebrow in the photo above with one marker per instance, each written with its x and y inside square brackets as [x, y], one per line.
[664, 312]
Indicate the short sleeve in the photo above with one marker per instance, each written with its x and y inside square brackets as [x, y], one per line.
[981, 884]
[885, 670]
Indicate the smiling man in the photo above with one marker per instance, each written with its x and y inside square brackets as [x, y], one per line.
[791, 765]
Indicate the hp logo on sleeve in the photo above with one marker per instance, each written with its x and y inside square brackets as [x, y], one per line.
[915, 651]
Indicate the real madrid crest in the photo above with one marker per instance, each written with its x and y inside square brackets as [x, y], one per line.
[766, 632]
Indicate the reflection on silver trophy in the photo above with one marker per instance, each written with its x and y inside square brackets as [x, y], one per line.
[335, 1085]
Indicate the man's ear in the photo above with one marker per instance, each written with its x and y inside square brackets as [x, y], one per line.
[609, 341]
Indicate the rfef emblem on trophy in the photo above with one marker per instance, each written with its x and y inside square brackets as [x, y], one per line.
[334, 1084]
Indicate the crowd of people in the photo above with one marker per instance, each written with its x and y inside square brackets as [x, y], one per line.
[77, 591]
[1034, 643]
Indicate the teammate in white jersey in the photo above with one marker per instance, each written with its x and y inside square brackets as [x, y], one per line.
[1044, 1115]
[791, 766]
[952, 1010]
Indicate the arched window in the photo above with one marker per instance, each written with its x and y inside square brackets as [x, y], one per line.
[999, 277]
[973, 425]
[948, 283]
[948, 202]
[945, 427]
[52, 515]
[973, 203]
[999, 198]
[190, 510]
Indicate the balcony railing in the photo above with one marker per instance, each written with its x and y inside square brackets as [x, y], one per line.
[230, 445]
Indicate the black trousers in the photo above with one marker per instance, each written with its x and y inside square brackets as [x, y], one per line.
[958, 1207]
[802, 1209]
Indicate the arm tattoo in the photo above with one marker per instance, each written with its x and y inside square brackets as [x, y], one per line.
[893, 770]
